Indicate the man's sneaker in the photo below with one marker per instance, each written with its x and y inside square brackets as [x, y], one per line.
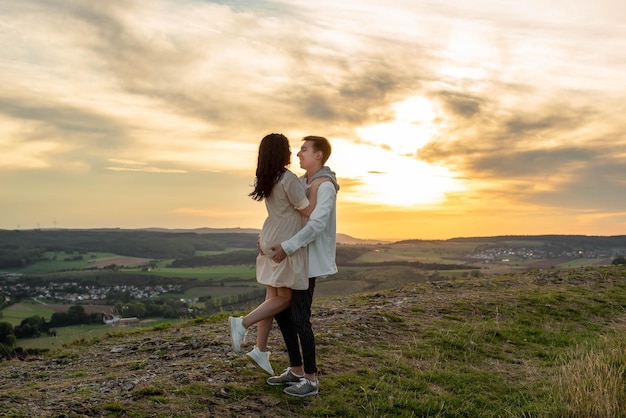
[261, 359]
[237, 332]
[303, 388]
[287, 378]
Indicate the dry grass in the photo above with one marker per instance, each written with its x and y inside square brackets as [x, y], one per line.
[592, 380]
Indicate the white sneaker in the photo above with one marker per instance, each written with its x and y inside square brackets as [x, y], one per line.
[237, 332]
[261, 359]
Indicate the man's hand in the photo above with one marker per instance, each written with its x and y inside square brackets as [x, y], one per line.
[279, 253]
[258, 245]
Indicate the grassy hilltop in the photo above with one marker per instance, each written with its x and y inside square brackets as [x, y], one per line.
[544, 343]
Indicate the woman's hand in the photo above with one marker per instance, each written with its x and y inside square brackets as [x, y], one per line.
[258, 245]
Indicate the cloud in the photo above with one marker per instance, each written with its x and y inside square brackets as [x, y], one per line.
[79, 124]
[138, 166]
[148, 170]
[520, 108]
[459, 104]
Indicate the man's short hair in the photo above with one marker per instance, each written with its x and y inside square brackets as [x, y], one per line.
[320, 144]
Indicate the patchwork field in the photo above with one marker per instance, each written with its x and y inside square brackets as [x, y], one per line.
[376, 267]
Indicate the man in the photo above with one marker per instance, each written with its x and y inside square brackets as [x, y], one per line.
[320, 235]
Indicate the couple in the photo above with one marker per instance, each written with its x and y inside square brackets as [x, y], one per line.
[293, 252]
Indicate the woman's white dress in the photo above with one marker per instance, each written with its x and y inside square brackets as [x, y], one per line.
[282, 222]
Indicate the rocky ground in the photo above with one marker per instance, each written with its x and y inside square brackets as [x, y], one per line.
[191, 370]
[188, 370]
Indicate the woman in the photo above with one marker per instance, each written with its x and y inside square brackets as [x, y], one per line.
[285, 201]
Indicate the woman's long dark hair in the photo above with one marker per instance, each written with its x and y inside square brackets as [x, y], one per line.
[274, 157]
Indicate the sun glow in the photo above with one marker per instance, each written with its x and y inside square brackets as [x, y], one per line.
[410, 130]
[384, 168]
[408, 182]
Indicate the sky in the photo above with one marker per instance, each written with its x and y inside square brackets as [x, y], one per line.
[447, 119]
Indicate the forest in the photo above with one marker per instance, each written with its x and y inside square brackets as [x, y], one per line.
[22, 247]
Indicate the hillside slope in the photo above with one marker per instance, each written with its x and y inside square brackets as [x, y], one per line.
[501, 346]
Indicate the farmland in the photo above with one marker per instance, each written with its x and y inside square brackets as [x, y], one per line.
[85, 268]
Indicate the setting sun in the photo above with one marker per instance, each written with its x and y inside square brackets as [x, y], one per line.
[384, 166]
[411, 128]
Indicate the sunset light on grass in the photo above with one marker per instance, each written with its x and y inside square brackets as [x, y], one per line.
[446, 118]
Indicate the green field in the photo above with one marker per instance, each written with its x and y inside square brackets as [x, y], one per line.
[14, 314]
[422, 251]
[225, 250]
[79, 333]
[58, 261]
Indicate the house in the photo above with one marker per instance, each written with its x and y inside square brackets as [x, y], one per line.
[115, 319]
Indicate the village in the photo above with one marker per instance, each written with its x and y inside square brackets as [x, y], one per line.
[72, 292]
[504, 254]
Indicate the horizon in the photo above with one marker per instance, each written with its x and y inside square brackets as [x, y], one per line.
[357, 238]
[447, 119]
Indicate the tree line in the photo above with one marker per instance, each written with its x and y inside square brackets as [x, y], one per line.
[20, 248]
[344, 255]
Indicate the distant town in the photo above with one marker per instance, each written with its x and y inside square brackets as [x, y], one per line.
[508, 254]
[72, 292]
